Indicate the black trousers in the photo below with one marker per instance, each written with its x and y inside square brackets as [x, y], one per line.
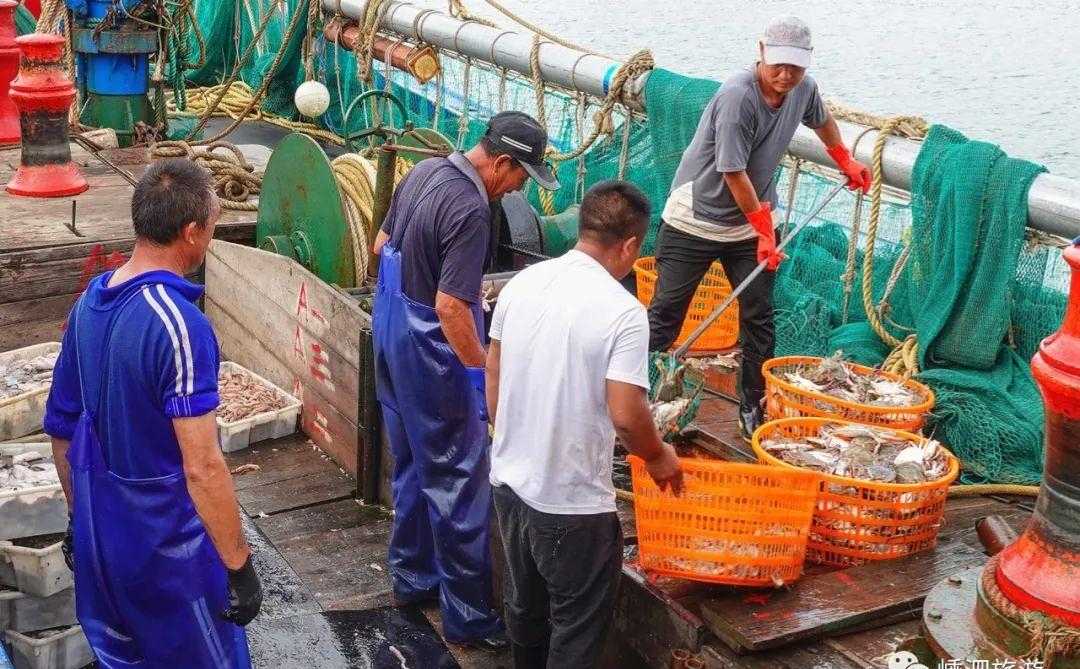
[682, 261]
[562, 577]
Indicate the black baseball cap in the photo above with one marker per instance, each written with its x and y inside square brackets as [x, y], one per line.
[522, 138]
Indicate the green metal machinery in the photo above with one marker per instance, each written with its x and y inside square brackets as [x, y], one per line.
[302, 213]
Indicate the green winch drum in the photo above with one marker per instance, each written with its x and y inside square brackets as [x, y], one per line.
[300, 211]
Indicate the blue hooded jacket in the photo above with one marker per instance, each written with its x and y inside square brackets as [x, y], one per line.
[161, 363]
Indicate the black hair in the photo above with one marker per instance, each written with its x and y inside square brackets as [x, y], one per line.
[612, 212]
[171, 194]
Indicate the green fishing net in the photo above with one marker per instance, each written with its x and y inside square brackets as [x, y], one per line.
[216, 21]
[977, 296]
[25, 23]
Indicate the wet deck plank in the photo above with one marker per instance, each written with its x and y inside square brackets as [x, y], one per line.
[338, 549]
[715, 430]
[833, 602]
[292, 474]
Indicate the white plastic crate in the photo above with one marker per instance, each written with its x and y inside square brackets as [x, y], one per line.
[39, 572]
[259, 427]
[22, 613]
[31, 512]
[22, 414]
[65, 648]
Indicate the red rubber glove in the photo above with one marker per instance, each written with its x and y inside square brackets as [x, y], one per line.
[858, 175]
[762, 222]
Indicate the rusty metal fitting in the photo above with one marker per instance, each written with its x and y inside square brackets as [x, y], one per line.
[422, 62]
[43, 94]
[679, 656]
[994, 534]
[9, 67]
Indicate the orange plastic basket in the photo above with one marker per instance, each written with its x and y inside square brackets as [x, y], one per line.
[713, 289]
[784, 400]
[734, 523]
[855, 520]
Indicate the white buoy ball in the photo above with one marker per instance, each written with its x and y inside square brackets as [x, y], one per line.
[312, 99]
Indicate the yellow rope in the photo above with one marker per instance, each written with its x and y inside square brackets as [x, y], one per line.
[356, 184]
[912, 127]
[267, 77]
[993, 489]
[547, 200]
[904, 357]
[235, 101]
[638, 64]
[369, 28]
[458, 11]
[356, 176]
[308, 48]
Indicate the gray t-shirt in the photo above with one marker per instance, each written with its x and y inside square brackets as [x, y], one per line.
[740, 131]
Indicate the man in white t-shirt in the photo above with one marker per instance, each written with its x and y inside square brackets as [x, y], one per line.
[566, 373]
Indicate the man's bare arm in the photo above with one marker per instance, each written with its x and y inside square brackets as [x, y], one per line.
[491, 386]
[628, 406]
[211, 487]
[829, 134]
[455, 316]
[63, 469]
[743, 191]
[380, 241]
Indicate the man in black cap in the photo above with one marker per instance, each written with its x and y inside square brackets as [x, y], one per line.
[429, 359]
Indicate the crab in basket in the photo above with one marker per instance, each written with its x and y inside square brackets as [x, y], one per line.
[863, 452]
[831, 376]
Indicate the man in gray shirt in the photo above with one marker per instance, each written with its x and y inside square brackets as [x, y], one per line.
[724, 193]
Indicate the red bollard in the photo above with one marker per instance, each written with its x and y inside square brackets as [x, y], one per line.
[9, 66]
[1041, 570]
[43, 93]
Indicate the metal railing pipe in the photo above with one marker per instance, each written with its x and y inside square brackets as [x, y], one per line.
[560, 66]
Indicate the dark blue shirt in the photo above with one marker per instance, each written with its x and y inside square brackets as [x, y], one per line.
[440, 221]
[161, 363]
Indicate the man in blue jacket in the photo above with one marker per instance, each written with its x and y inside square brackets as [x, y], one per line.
[163, 575]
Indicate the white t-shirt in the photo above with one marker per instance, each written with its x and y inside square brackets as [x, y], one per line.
[565, 326]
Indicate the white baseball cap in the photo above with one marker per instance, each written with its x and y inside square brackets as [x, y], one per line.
[787, 42]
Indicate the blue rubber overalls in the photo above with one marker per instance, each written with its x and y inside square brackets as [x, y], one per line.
[435, 422]
[150, 587]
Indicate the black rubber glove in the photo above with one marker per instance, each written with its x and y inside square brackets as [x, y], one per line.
[67, 547]
[245, 595]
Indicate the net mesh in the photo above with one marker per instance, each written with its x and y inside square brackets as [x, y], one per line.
[978, 296]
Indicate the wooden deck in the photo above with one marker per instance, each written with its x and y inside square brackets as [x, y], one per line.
[321, 550]
[46, 261]
[277, 318]
[301, 512]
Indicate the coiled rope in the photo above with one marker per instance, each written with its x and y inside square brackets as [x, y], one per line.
[635, 66]
[356, 177]
[638, 64]
[1050, 639]
[356, 184]
[234, 177]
